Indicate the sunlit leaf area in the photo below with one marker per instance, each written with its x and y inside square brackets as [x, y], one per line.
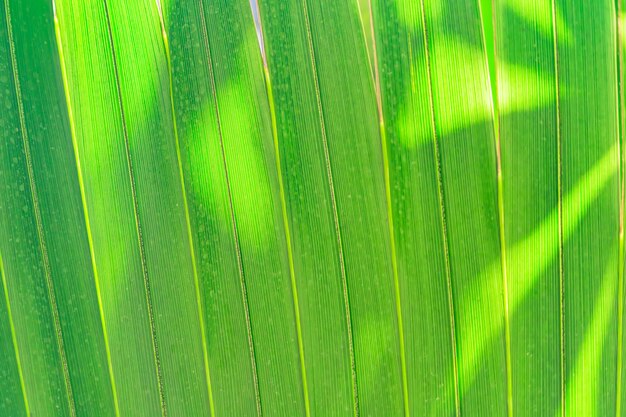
[312, 208]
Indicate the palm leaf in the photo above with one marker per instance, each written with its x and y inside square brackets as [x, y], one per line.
[437, 116]
[329, 147]
[56, 313]
[389, 208]
[126, 74]
[225, 126]
[560, 170]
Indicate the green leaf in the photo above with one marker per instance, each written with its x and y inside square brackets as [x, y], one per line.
[128, 74]
[560, 175]
[14, 400]
[621, 38]
[49, 277]
[393, 207]
[438, 121]
[229, 165]
[331, 161]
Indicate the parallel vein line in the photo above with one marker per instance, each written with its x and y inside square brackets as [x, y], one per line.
[14, 338]
[38, 220]
[131, 173]
[205, 350]
[242, 281]
[560, 205]
[501, 224]
[620, 272]
[442, 212]
[390, 224]
[364, 33]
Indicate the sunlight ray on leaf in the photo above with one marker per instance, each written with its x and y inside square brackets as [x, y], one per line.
[255, 221]
[468, 162]
[582, 396]
[560, 178]
[594, 182]
[531, 194]
[589, 128]
[512, 99]
[312, 208]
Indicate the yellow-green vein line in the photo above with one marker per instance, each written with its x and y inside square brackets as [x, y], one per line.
[620, 322]
[620, 271]
[38, 220]
[283, 203]
[14, 337]
[205, 351]
[500, 190]
[442, 212]
[364, 33]
[288, 239]
[392, 235]
[559, 205]
[242, 282]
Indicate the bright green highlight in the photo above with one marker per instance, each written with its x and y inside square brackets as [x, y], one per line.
[593, 183]
[582, 397]
[188, 229]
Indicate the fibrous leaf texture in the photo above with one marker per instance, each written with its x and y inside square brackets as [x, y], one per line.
[311, 208]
